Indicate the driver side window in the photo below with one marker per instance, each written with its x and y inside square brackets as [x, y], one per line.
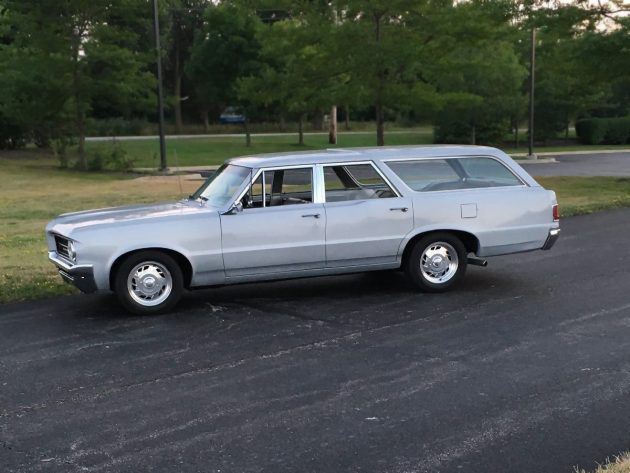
[278, 187]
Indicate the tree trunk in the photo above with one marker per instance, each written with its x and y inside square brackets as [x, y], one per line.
[566, 133]
[80, 112]
[248, 136]
[380, 130]
[380, 76]
[332, 130]
[204, 117]
[347, 120]
[474, 134]
[300, 130]
[177, 92]
[283, 124]
[516, 133]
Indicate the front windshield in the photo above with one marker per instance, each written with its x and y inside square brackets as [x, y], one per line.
[222, 185]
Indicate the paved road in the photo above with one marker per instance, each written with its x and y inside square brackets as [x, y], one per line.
[593, 164]
[526, 368]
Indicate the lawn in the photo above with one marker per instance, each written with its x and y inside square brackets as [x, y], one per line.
[214, 150]
[34, 190]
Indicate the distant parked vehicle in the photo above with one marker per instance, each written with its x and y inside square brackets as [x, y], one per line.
[232, 115]
[428, 210]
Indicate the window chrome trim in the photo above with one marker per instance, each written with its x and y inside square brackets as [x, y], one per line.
[430, 158]
[277, 168]
[351, 163]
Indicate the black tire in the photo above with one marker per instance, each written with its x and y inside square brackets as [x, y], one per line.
[149, 256]
[412, 265]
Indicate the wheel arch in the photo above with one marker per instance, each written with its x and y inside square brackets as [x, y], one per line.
[183, 262]
[470, 240]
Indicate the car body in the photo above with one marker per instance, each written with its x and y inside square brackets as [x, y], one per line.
[232, 115]
[316, 213]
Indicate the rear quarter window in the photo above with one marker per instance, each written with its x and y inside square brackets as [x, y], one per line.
[426, 175]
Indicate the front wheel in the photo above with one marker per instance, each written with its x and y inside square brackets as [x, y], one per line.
[149, 282]
[437, 262]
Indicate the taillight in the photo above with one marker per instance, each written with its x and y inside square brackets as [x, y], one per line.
[556, 213]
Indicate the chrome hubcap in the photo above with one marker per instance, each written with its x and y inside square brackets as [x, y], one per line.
[149, 283]
[439, 262]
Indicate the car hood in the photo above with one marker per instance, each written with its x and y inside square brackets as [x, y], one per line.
[67, 223]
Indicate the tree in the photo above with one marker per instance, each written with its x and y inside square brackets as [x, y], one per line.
[225, 48]
[377, 44]
[86, 47]
[476, 73]
[295, 72]
[185, 20]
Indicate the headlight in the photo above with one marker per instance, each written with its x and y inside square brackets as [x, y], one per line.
[71, 251]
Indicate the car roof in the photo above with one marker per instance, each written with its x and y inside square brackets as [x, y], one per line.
[336, 155]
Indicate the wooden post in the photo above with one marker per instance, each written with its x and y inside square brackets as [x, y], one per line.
[332, 130]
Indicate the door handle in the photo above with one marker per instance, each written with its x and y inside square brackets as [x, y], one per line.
[402, 209]
[311, 215]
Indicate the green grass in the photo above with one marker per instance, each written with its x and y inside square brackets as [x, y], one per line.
[583, 195]
[34, 190]
[552, 149]
[215, 150]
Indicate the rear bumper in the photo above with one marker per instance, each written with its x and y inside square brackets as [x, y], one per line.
[80, 276]
[554, 233]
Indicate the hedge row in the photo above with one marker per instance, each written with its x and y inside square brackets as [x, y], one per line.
[610, 131]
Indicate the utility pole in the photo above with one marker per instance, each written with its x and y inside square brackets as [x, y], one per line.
[156, 29]
[332, 130]
[532, 66]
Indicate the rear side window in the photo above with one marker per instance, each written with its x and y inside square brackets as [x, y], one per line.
[453, 173]
[354, 182]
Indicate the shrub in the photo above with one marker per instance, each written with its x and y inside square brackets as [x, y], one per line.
[117, 127]
[594, 131]
[12, 134]
[590, 131]
[454, 130]
[119, 160]
[96, 160]
[617, 130]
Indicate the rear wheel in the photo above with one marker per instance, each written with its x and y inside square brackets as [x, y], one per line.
[149, 282]
[437, 262]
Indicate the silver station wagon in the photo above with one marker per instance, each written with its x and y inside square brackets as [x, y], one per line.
[428, 210]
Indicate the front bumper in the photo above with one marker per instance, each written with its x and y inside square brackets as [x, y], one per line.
[80, 275]
[554, 233]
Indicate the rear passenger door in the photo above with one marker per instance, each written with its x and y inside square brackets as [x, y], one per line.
[366, 217]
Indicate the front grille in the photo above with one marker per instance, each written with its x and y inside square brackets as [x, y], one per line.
[62, 246]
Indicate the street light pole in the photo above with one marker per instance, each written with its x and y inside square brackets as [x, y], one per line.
[532, 66]
[156, 29]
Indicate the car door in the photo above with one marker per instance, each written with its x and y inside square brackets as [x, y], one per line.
[366, 218]
[280, 228]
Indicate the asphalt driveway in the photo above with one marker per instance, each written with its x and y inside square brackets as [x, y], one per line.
[525, 368]
[591, 164]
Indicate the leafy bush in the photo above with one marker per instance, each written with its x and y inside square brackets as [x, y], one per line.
[96, 160]
[617, 131]
[117, 127]
[119, 160]
[454, 130]
[594, 131]
[12, 135]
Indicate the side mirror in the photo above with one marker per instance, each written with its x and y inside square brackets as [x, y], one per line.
[235, 209]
